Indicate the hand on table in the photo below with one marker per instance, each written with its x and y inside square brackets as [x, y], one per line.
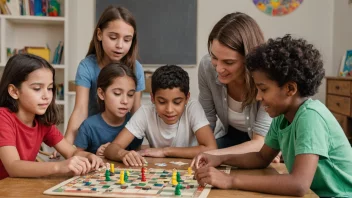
[132, 158]
[205, 160]
[214, 177]
[152, 152]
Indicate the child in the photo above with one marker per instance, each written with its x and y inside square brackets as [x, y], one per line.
[114, 40]
[28, 115]
[116, 89]
[316, 151]
[174, 126]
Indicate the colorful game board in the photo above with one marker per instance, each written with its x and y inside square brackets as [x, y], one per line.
[158, 184]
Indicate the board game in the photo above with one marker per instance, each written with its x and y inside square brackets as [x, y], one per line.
[156, 183]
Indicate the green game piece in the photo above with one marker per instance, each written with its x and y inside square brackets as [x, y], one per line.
[107, 175]
[178, 177]
[177, 189]
[126, 176]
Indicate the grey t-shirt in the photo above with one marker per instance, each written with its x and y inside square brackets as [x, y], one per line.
[146, 123]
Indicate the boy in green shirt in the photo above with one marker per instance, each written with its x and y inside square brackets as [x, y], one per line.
[315, 149]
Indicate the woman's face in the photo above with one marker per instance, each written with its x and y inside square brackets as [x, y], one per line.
[229, 64]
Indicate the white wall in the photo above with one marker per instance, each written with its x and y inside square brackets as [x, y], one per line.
[313, 20]
[342, 33]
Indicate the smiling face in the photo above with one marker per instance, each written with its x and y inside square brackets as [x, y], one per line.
[170, 104]
[229, 63]
[35, 94]
[276, 100]
[118, 97]
[116, 40]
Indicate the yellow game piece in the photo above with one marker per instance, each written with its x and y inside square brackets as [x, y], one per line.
[112, 168]
[122, 177]
[174, 182]
[189, 170]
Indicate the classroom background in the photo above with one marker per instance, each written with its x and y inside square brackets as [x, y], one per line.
[324, 23]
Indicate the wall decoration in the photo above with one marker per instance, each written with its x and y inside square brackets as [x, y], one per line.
[346, 64]
[277, 7]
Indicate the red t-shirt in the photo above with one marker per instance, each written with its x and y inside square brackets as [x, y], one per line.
[27, 140]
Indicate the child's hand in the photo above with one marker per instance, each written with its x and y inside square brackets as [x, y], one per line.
[95, 161]
[76, 164]
[205, 160]
[101, 149]
[214, 177]
[152, 152]
[132, 158]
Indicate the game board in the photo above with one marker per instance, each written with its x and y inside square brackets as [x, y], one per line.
[158, 184]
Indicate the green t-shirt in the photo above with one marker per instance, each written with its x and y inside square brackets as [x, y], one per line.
[314, 130]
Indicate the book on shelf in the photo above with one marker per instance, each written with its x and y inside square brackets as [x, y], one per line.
[58, 53]
[3, 7]
[30, 7]
[43, 52]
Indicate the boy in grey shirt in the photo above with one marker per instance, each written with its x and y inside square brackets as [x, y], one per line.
[174, 125]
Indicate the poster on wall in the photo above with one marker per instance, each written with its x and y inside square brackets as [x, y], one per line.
[346, 64]
[277, 7]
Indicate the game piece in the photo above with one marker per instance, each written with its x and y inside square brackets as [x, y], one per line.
[107, 175]
[143, 174]
[125, 176]
[112, 168]
[189, 170]
[159, 184]
[178, 189]
[174, 182]
[122, 177]
[143, 178]
[174, 178]
[178, 177]
[128, 173]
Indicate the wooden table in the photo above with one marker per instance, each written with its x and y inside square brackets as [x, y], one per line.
[28, 187]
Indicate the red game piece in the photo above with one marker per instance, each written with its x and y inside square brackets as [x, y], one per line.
[143, 175]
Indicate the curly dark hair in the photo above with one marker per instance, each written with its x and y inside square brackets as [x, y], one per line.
[287, 59]
[169, 77]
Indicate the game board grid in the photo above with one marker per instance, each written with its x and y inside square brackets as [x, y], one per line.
[158, 183]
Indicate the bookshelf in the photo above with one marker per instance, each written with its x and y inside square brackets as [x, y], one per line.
[20, 31]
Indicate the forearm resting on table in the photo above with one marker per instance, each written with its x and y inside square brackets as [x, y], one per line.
[114, 152]
[272, 184]
[20, 168]
[246, 147]
[186, 152]
[252, 160]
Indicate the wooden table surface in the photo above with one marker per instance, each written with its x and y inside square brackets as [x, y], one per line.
[34, 187]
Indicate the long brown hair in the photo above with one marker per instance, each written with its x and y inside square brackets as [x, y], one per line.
[241, 33]
[16, 72]
[112, 13]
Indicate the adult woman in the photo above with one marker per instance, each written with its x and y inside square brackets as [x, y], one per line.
[227, 91]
